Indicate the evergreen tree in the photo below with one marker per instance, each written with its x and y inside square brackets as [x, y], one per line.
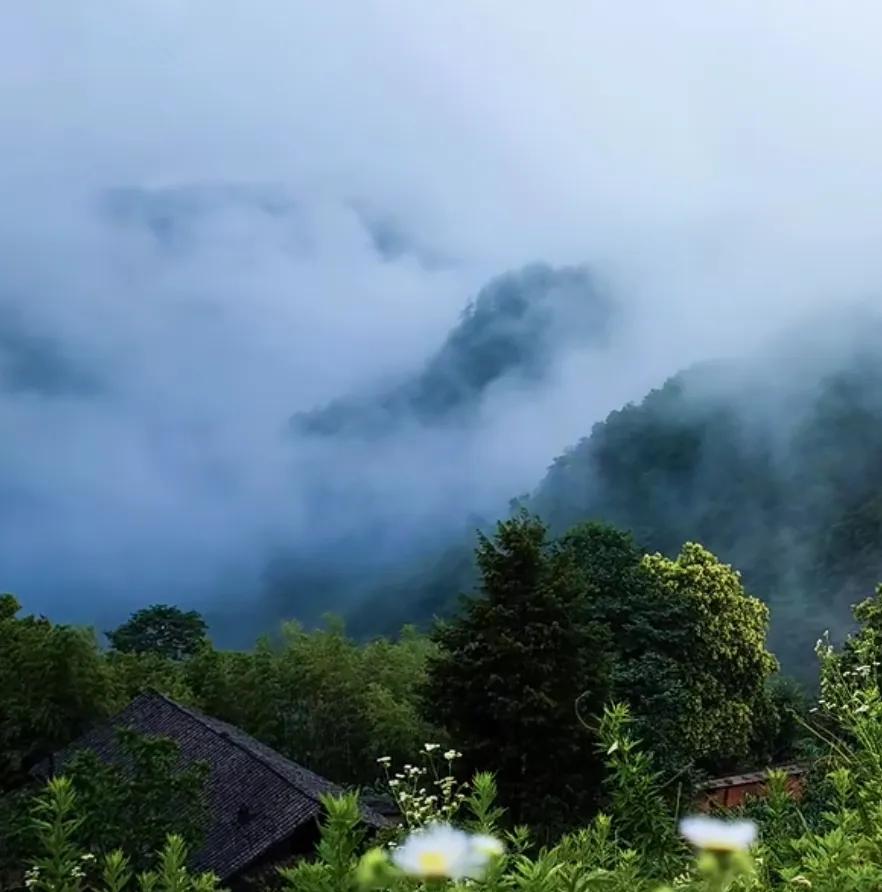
[515, 668]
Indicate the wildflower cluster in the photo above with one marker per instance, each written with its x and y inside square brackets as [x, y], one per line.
[428, 793]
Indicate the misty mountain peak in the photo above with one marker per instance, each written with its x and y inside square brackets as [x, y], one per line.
[514, 330]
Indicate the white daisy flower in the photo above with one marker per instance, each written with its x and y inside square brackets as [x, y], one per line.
[384, 760]
[431, 747]
[482, 850]
[715, 835]
[436, 852]
[487, 845]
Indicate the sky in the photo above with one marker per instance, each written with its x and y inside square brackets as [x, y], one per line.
[194, 204]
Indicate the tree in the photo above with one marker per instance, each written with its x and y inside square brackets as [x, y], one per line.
[321, 698]
[623, 596]
[646, 632]
[135, 673]
[654, 636]
[160, 629]
[511, 668]
[54, 683]
[706, 696]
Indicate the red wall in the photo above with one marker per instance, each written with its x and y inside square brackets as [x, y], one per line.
[736, 793]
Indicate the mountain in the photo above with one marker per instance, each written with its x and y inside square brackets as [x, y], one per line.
[514, 330]
[772, 462]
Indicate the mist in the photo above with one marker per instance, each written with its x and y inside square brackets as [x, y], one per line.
[214, 224]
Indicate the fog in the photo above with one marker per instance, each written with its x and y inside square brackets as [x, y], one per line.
[215, 218]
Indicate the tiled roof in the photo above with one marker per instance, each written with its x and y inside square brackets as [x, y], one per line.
[753, 777]
[256, 797]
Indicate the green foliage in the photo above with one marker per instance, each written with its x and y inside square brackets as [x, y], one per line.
[779, 725]
[318, 697]
[481, 804]
[63, 866]
[59, 868]
[54, 683]
[160, 629]
[171, 873]
[133, 673]
[511, 668]
[780, 476]
[16, 832]
[634, 847]
[864, 647]
[642, 816]
[719, 675]
[130, 805]
[560, 627]
[646, 632]
[342, 840]
[631, 847]
[321, 698]
[133, 804]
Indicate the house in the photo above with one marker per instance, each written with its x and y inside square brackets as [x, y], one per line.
[263, 808]
[730, 791]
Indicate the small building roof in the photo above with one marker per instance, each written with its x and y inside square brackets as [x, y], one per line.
[752, 777]
[256, 798]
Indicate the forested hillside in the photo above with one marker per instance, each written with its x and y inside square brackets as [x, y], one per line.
[774, 463]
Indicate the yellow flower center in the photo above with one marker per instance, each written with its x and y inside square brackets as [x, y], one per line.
[721, 847]
[433, 864]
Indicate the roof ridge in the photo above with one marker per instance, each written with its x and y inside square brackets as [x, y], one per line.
[196, 715]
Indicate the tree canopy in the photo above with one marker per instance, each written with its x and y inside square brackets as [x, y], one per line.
[160, 629]
[54, 682]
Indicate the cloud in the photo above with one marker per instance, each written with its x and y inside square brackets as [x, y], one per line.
[212, 222]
